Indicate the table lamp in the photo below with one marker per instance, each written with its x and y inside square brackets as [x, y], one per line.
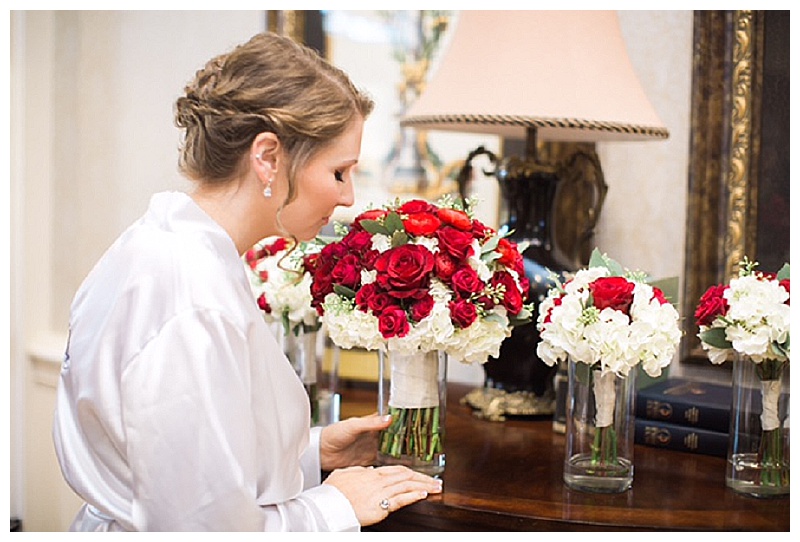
[560, 81]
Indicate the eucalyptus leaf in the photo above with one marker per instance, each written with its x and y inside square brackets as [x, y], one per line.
[399, 238]
[493, 318]
[598, 259]
[783, 274]
[393, 223]
[489, 257]
[344, 291]
[373, 227]
[490, 245]
[715, 337]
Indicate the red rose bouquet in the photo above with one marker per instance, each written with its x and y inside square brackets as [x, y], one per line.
[416, 278]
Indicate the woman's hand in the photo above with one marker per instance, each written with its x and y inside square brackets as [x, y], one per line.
[376, 492]
[351, 442]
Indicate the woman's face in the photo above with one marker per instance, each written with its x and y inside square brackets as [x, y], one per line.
[324, 183]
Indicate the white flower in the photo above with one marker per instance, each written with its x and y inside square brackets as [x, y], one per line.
[287, 290]
[614, 342]
[757, 321]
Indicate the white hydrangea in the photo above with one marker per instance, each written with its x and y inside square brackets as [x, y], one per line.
[286, 291]
[572, 328]
[758, 316]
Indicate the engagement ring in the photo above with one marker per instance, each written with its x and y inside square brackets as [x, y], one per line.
[385, 504]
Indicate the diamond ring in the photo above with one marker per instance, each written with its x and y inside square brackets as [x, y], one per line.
[385, 504]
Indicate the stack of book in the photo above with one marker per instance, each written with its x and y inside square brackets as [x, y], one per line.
[685, 415]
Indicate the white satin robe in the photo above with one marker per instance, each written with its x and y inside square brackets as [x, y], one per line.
[176, 409]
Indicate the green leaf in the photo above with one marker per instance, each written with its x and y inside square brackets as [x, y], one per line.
[344, 291]
[393, 223]
[490, 257]
[715, 337]
[399, 238]
[490, 245]
[373, 227]
[669, 286]
[783, 274]
[598, 259]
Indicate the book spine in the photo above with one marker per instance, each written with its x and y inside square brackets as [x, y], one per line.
[680, 412]
[680, 438]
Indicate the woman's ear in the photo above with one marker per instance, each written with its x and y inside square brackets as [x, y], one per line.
[265, 152]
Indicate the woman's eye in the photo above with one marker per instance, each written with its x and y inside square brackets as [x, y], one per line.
[339, 176]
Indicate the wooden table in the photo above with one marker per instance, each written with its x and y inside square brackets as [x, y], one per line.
[507, 476]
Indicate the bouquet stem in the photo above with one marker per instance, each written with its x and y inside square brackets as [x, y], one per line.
[414, 432]
[604, 446]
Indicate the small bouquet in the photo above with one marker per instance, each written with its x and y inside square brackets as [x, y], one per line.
[282, 285]
[751, 318]
[608, 320]
[413, 278]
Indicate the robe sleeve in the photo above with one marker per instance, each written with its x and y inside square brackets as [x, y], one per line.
[192, 445]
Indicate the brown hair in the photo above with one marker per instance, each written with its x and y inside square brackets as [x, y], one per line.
[268, 84]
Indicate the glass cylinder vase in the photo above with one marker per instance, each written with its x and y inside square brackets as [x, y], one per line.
[758, 445]
[412, 388]
[302, 348]
[598, 450]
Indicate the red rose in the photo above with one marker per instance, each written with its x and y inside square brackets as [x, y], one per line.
[658, 294]
[379, 302]
[613, 292]
[347, 272]
[371, 214]
[457, 219]
[358, 241]
[421, 224]
[415, 206]
[785, 284]
[480, 230]
[275, 247]
[445, 266]
[508, 254]
[711, 305]
[393, 323]
[363, 296]
[512, 297]
[466, 281]
[405, 271]
[263, 305]
[422, 308]
[463, 313]
[455, 242]
[254, 256]
[556, 302]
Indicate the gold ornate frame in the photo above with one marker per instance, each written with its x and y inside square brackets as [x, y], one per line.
[722, 207]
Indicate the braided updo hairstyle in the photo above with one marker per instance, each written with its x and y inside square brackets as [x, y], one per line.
[268, 84]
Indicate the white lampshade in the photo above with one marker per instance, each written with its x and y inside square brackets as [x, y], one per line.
[565, 73]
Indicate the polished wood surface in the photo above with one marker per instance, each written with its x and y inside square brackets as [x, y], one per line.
[507, 476]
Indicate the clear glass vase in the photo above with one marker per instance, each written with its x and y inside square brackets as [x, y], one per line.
[598, 450]
[413, 389]
[304, 353]
[758, 445]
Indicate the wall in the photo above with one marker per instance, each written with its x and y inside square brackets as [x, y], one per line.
[92, 138]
